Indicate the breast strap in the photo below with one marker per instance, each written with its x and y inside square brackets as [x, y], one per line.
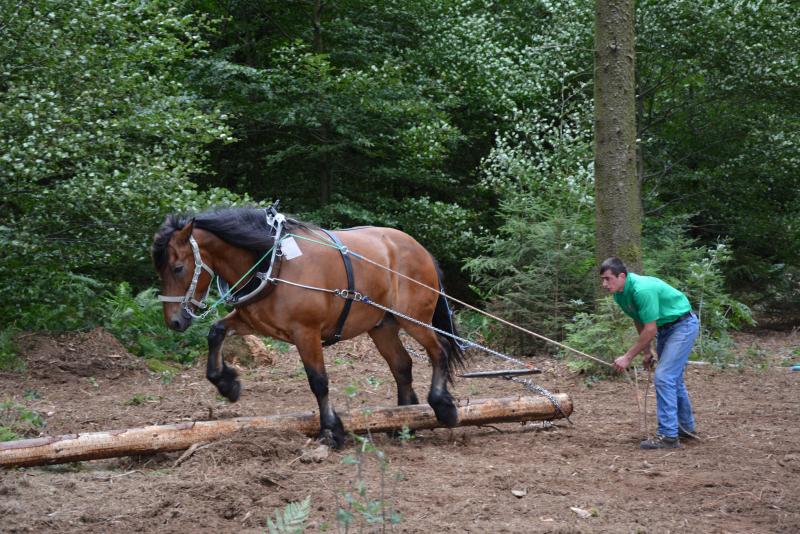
[348, 267]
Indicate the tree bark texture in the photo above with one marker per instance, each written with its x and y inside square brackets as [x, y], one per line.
[166, 438]
[618, 210]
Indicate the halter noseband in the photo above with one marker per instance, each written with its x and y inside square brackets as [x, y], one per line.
[188, 298]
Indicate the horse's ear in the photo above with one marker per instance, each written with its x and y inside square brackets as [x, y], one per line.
[184, 233]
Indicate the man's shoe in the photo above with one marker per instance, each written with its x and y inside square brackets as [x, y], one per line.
[660, 442]
[687, 434]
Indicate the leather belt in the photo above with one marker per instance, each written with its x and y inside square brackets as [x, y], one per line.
[348, 267]
[676, 321]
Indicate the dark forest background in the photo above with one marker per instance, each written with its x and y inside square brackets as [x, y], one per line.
[468, 124]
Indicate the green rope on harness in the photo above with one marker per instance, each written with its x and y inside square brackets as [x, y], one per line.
[239, 281]
[326, 243]
[232, 288]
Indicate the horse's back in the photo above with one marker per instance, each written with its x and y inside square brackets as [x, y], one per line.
[401, 252]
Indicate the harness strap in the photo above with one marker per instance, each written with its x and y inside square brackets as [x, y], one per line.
[348, 267]
[259, 285]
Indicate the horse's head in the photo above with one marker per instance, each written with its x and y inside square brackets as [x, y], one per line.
[179, 263]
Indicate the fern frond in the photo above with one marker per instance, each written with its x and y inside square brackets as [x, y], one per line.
[292, 519]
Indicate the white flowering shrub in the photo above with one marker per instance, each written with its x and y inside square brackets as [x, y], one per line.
[99, 134]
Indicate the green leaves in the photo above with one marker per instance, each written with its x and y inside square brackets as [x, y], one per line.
[102, 135]
[138, 322]
[293, 518]
[537, 270]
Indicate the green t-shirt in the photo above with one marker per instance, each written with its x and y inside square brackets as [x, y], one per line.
[646, 299]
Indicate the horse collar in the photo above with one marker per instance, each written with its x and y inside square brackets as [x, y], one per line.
[259, 283]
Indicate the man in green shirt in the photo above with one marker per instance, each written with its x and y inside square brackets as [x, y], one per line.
[657, 309]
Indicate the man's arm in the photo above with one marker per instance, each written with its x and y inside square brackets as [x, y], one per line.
[647, 332]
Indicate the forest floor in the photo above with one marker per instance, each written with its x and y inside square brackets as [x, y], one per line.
[742, 476]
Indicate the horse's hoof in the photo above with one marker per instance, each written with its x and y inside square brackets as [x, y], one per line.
[228, 385]
[232, 391]
[332, 439]
[446, 412]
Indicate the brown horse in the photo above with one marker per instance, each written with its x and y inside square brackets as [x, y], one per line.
[300, 306]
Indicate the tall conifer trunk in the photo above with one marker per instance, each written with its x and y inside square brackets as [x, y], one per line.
[618, 209]
[323, 132]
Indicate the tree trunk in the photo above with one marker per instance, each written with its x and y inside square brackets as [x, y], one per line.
[618, 209]
[323, 132]
[166, 438]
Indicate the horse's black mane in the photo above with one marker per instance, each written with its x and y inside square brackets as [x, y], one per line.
[242, 227]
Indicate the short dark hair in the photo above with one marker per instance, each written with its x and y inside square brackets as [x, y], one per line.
[613, 264]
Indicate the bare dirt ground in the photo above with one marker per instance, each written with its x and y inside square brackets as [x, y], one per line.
[744, 476]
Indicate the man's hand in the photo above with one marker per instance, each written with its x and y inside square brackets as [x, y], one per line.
[622, 362]
[648, 360]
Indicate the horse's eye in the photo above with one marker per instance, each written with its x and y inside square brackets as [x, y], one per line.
[178, 269]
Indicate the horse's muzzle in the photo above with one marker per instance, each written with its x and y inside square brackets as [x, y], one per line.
[180, 321]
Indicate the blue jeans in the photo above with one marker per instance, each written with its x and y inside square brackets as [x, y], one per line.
[673, 345]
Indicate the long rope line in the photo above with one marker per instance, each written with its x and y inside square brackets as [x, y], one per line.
[344, 250]
[461, 302]
[641, 405]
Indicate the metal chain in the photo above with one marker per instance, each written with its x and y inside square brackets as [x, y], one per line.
[358, 297]
[470, 344]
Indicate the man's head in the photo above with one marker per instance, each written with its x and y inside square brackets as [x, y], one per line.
[614, 274]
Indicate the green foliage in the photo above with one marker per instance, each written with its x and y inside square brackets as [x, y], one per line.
[719, 118]
[18, 421]
[405, 434]
[101, 134]
[536, 271]
[606, 334]
[697, 271]
[449, 120]
[164, 370]
[293, 518]
[138, 322]
[9, 356]
[138, 399]
[474, 326]
[445, 229]
[359, 507]
[53, 300]
[705, 286]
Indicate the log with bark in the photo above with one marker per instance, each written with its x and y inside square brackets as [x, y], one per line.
[176, 437]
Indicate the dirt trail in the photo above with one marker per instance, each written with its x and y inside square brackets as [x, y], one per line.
[744, 476]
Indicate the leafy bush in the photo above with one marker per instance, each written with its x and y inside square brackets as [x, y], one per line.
[49, 299]
[138, 322]
[97, 146]
[536, 272]
[697, 271]
[606, 334]
[475, 326]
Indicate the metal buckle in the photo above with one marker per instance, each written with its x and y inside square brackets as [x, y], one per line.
[349, 294]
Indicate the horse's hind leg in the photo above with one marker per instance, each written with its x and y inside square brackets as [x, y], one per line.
[310, 349]
[385, 337]
[438, 397]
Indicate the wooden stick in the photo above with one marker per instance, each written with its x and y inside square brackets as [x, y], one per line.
[176, 437]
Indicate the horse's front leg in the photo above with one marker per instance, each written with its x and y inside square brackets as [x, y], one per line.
[217, 372]
[310, 348]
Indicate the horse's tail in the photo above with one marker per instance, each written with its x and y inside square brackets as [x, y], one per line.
[443, 320]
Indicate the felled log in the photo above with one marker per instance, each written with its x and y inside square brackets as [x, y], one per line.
[176, 437]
